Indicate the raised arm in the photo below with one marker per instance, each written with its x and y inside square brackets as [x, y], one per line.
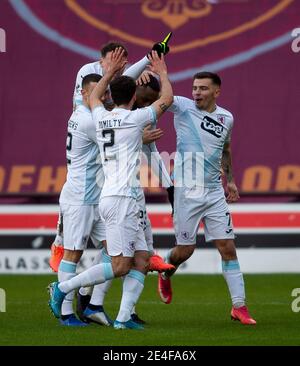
[159, 67]
[136, 69]
[116, 64]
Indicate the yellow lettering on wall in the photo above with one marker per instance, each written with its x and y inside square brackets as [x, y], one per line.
[288, 178]
[50, 181]
[257, 178]
[21, 175]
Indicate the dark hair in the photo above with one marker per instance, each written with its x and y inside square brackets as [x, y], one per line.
[208, 75]
[153, 83]
[90, 78]
[122, 89]
[111, 46]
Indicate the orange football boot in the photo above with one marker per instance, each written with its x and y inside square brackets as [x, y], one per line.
[164, 289]
[241, 314]
[158, 264]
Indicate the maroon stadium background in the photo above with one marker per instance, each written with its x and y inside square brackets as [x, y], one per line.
[249, 43]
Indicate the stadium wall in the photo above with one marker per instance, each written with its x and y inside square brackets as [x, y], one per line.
[267, 238]
[252, 51]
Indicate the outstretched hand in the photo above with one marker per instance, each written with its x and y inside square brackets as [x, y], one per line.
[150, 135]
[158, 64]
[117, 61]
[144, 78]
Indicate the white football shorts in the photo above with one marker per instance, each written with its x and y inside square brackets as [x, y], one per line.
[123, 232]
[206, 205]
[80, 223]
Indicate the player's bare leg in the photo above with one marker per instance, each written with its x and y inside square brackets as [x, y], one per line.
[176, 256]
[235, 281]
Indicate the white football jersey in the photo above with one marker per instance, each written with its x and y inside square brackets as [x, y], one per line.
[91, 68]
[202, 132]
[133, 71]
[85, 176]
[119, 136]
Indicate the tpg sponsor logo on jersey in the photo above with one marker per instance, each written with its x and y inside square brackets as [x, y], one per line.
[211, 126]
[83, 26]
[2, 40]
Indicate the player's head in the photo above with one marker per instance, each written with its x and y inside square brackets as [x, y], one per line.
[206, 89]
[147, 94]
[106, 52]
[88, 84]
[123, 91]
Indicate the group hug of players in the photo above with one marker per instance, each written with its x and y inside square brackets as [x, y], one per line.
[114, 119]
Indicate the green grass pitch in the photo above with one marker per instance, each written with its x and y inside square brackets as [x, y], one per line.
[198, 315]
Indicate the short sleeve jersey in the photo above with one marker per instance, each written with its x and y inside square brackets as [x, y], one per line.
[119, 136]
[91, 68]
[202, 132]
[84, 175]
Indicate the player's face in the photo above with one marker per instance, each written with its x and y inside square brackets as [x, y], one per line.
[105, 61]
[145, 96]
[205, 93]
[87, 91]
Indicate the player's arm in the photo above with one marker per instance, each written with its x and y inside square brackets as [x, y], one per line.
[116, 64]
[233, 193]
[159, 67]
[77, 97]
[136, 69]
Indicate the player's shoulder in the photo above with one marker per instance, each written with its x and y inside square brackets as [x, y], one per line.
[181, 104]
[183, 101]
[225, 113]
[82, 114]
[90, 68]
[100, 113]
[144, 113]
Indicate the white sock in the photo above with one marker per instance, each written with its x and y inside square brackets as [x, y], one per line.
[99, 293]
[84, 291]
[66, 271]
[133, 285]
[101, 290]
[133, 311]
[92, 276]
[235, 282]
